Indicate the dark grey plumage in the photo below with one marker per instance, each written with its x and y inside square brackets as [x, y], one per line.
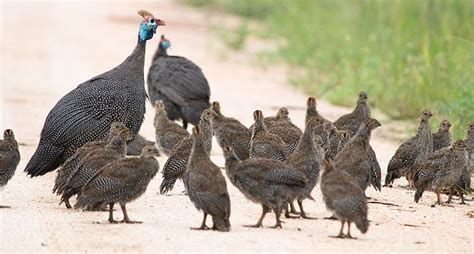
[85, 113]
[117, 129]
[121, 181]
[206, 186]
[343, 196]
[434, 175]
[180, 84]
[306, 159]
[90, 164]
[417, 148]
[264, 144]
[267, 182]
[9, 158]
[167, 132]
[358, 116]
[354, 157]
[285, 129]
[312, 113]
[442, 138]
[231, 133]
[175, 166]
[136, 146]
[269, 120]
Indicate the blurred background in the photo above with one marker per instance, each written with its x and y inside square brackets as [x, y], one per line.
[408, 55]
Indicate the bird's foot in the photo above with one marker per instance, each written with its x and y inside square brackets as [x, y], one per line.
[128, 221]
[201, 228]
[113, 221]
[258, 225]
[289, 216]
[340, 236]
[330, 218]
[350, 237]
[5, 207]
[278, 225]
[304, 216]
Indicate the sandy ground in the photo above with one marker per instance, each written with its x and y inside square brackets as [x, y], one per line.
[47, 49]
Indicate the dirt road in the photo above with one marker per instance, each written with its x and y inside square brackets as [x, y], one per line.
[49, 48]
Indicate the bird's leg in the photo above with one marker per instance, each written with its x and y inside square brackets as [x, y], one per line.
[203, 224]
[125, 215]
[277, 217]
[332, 217]
[293, 209]
[111, 213]
[450, 196]
[341, 234]
[265, 210]
[68, 205]
[462, 199]
[303, 213]
[349, 231]
[4, 206]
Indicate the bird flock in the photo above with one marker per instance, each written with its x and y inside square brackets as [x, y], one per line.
[91, 135]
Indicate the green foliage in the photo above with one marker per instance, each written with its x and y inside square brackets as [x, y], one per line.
[406, 54]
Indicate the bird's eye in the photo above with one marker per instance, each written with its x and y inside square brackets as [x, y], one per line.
[151, 20]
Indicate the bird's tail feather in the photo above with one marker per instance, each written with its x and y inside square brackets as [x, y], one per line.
[418, 195]
[46, 158]
[167, 185]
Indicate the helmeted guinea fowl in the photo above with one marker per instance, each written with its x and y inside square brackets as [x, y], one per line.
[206, 186]
[421, 145]
[179, 83]
[312, 113]
[69, 166]
[85, 113]
[9, 158]
[306, 159]
[264, 144]
[434, 175]
[167, 132]
[358, 116]
[343, 196]
[267, 182]
[354, 157]
[121, 181]
[285, 129]
[90, 164]
[230, 132]
[136, 146]
[442, 138]
[178, 159]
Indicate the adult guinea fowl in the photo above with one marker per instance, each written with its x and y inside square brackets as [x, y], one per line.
[179, 83]
[86, 113]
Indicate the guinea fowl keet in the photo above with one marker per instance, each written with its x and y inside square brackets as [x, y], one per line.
[206, 186]
[358, 116]
[179, 83]
[167, 132]
[285, 129]
[264, 144]
[343, 196]
[267, 182]
[121, 181]
[9, 158]
[178, 159]
[442, 138]
[85, 113]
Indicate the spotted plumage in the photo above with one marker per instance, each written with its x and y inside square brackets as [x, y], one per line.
[9, 157]
[442, 138]
[264, 144]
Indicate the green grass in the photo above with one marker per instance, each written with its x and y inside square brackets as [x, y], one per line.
[406, 54]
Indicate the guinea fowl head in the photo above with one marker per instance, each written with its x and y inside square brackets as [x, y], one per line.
[328, 127]
[258, 115]
[372, 124]
[459, 145]
[445, 125]
[150, 151]
[470, 127]
[426, 115]
[283, 113]
[208, 114]
[311, 102]
[164, 43]
[344, 134]
[216, 106]
[362, 97]
[8, 134]
[148, 25]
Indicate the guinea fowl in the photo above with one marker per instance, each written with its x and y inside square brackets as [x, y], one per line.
[312, 113]
[206, 186]
[332, 141]
[9, 158]
[179, 83]
[136, 146]
[269, 120]
[121, 181]
[267, 182]
[230, 132]
[442, 138]
[344, 137]
[264, 144]
[285, 129]
[343, 196]
[306, 159]
[358, 116]
[420, 146]
[168, 133]
[86, 113]
[442, 173]
[175, 166]
[69, 166]
[90, 164]
[354, 157]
